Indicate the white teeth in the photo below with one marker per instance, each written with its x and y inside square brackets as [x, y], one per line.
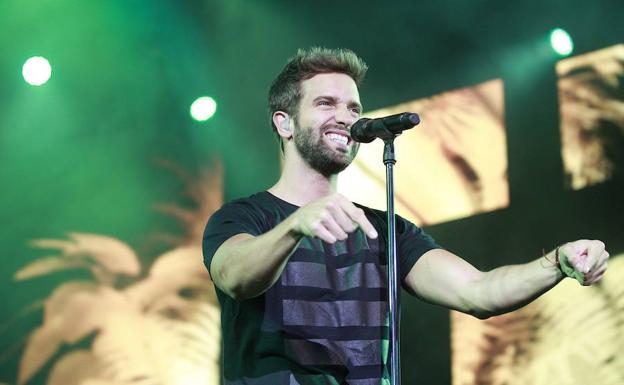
[338, 138]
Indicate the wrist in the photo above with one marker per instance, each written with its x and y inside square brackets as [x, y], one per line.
[554, 262]
[293, 225]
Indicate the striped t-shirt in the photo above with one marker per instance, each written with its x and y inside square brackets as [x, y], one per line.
[325, 320]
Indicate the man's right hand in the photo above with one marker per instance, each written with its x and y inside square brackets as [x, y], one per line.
[331, 218]
[246, 266]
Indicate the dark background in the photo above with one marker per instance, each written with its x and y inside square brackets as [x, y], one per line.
[78, 154]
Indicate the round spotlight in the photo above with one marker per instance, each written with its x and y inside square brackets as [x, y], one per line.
[36, 70]
[203, 108]
[561, 42]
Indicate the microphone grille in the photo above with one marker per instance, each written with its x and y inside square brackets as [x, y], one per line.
[358, 132]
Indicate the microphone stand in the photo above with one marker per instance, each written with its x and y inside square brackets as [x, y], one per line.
[389, 160]
[387, 129]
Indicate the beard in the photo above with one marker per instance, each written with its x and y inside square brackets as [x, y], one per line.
[318, 154]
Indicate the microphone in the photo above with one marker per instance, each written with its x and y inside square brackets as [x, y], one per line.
[365, 130]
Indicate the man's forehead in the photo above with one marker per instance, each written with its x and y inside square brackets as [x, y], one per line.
[330, 84]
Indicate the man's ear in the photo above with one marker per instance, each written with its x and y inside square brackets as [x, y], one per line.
[283, 124]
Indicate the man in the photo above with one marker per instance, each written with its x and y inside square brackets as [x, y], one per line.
[300, 271]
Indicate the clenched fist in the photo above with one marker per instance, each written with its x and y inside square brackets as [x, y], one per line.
[587, 257]
[330, 218]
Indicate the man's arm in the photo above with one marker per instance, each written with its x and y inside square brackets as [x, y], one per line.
[245, 266]
[442, 278]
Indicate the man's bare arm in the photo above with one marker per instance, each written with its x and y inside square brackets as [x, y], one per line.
[245, 266]
[445, 279]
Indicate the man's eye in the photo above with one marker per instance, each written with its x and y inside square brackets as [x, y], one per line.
[323, 103]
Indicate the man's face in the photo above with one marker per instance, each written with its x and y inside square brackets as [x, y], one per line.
[330, 104]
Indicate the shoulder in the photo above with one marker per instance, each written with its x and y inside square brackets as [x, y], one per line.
[256, 202]
[260, 211]
[372, 213]
[237, 209]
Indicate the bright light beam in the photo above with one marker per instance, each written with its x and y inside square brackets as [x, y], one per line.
[203, 108]
[561, 42]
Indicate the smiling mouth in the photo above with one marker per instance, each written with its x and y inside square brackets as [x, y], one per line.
[338, 138]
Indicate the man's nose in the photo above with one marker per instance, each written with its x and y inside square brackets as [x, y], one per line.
[345, 116]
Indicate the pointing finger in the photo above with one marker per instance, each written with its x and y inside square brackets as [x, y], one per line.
[330, 224]
[321, 232]
[357, 215]
[341, 218]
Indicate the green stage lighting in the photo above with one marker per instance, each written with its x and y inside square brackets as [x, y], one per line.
[36, 70]
[561, 42]
[203, 108]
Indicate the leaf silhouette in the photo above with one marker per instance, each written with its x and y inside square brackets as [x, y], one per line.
[173, 271]
[73, 368]
[47, 265]
[161, 330]
[136, 346]
[589, 88]
[460, 143]
[112, 254]
[74, 310]
[205, 191]
[572, 335]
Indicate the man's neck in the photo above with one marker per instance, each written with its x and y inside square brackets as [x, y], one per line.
[299, 184]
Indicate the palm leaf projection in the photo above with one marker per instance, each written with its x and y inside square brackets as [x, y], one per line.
[592, 114]
[161, 329]
[461, 144]
[572, 335]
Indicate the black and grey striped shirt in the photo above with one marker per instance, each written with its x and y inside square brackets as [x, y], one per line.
[325, 320]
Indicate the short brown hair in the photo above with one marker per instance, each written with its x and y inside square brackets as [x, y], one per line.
[285, 92]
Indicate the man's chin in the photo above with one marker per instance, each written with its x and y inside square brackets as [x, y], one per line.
[335, 167]
[328, 160]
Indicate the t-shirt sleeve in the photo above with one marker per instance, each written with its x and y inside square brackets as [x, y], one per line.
[231, 219]
[412, 243]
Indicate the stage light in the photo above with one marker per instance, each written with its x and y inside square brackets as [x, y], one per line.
[203, 108]
[36, 70]
[561, 42]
